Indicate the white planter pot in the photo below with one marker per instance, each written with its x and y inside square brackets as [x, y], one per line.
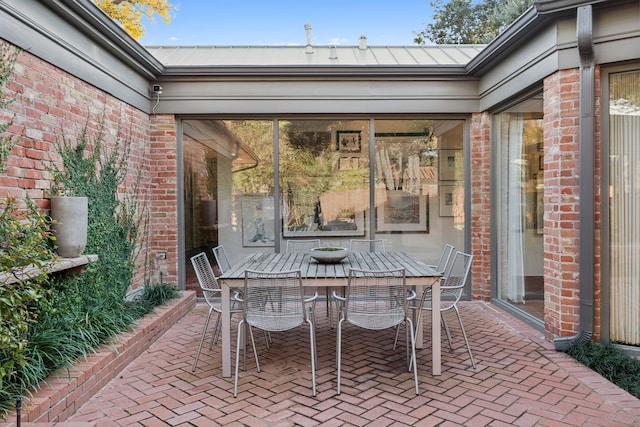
[70, 228]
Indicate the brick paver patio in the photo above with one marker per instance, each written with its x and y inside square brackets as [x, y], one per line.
[520, 381]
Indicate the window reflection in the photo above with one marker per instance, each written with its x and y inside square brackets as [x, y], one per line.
[324, 176]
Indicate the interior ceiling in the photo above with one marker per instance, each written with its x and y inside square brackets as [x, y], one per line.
[214, 135]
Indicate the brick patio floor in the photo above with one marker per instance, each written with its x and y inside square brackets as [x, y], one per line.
[520, 380]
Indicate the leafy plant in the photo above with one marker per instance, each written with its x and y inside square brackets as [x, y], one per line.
[611, 362]
[23, 245]
[8, 57]
[153, 296]
[71, 314]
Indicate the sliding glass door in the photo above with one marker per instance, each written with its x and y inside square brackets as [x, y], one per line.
[624, 207]
[519, 213]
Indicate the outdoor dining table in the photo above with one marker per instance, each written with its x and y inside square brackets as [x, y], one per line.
[319, 275]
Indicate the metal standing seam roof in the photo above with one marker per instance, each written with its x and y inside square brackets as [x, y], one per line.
[449, 55]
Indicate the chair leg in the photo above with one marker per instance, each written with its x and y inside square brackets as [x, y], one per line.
[253, 344]
[238, 343]
[413, 361]
[314, 356]
[204, 333]
[464, 334]
[418, 320]
[216, 332]
[446, 329]
[339, 351]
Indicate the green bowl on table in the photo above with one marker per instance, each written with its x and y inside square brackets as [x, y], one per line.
[328, 254]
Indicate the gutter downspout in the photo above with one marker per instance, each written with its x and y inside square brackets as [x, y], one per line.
[587, 181]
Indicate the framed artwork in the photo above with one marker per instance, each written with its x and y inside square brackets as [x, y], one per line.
[304, 138]
[447, 196]
[403, 212]
[257, 221]
[348, 141]
[339, 227]
[448, 162]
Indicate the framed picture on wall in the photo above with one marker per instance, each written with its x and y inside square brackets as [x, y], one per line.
[257, 221]
[403, 212]
[448, 199]
[449, 161]
[348, 141]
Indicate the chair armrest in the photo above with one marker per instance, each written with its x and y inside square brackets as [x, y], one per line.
[338, 297]
[412, 295]
[238, 296]
[312, 297]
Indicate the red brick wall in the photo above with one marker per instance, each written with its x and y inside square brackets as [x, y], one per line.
[561, 200]
[164, 207]
[49, 103]
[481, 206]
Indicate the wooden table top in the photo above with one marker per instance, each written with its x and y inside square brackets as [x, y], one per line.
[311, 269]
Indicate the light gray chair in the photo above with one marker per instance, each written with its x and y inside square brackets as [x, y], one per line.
[212, 295]
[220, 254]
[445, 256]
[274, 302]
[451, 289]
[364, 245]
[302, 245]
[377, 299]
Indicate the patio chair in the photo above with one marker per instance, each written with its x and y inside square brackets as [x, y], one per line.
[376, 300]
[274, 301]
[220, 254]
[445, 256]
[363, 245]
[302, 245]
[451, 289]
[212, 293]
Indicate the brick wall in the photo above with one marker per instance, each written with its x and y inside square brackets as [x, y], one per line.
[561, 200]
[49, 104]
[481, 206]
[164, 208]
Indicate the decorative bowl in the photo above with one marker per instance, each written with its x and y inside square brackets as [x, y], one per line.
[328, 255]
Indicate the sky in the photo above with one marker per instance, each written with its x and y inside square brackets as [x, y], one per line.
[282, 22]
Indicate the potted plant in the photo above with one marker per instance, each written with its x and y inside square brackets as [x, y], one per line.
[69, 203]
[70, 220]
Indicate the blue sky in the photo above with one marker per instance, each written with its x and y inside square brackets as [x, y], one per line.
[281, 22]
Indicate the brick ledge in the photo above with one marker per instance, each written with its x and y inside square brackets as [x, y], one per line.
[67, 390]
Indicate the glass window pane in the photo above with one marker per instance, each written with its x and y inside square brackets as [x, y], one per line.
[324, 179]
[228, 180]
[519, 215]
[419, 185]
[624, 206]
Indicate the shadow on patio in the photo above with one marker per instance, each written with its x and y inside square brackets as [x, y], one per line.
[520, 380]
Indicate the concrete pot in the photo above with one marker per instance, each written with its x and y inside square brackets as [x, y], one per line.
[70, 228]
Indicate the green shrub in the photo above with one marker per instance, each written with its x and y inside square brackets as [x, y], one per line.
[611, 362]
[8, 57]
[152, 296]
[24, 238]
[71, 314]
